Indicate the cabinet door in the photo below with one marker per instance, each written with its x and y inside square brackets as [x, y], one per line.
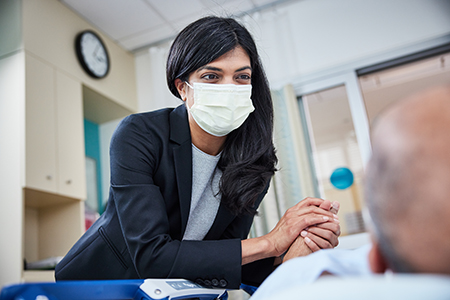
[70, 137]
[40, 129]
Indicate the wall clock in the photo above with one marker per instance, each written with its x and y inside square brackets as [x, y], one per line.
[92, 54]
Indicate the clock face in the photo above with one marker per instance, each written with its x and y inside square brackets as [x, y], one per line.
[92, 54]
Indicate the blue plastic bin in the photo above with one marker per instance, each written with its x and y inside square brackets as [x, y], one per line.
[148, 289]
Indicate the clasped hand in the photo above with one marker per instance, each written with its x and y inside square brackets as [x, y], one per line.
[310, 225]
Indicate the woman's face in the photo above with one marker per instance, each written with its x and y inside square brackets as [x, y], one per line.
[231, 68]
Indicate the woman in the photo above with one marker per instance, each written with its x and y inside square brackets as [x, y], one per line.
[186, 182]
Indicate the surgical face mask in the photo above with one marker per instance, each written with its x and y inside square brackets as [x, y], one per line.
[220, 108]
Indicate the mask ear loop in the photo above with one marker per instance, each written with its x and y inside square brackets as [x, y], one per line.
[185, 101]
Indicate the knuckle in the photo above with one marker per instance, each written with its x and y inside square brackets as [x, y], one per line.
[336, 227]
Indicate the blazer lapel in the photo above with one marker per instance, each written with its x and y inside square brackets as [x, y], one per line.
[182, 151]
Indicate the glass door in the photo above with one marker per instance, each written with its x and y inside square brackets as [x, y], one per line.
[337, 111]
[337, 127]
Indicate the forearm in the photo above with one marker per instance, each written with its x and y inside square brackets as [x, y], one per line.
[255, 249]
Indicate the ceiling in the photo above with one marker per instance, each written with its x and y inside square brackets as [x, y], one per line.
[137, 24]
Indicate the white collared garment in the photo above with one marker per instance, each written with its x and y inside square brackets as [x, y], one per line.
[305, 270]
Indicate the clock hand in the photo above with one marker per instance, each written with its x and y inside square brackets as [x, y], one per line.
[96, 49]
[100, 59]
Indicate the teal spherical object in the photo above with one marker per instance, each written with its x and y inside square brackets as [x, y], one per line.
[342, 178]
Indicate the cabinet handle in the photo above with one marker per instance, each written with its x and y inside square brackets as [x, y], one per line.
[69, 181]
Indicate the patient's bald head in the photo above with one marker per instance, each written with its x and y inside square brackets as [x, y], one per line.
[408, 183]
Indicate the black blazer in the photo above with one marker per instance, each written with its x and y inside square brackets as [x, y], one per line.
[140, 233]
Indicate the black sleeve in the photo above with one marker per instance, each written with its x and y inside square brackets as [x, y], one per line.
[256, 272]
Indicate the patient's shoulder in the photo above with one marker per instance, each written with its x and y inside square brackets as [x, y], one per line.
[399, 286]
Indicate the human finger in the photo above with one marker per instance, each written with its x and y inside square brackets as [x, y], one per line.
[326, 205]
[333, 226]
[331, 206]
[311, 244]
[335, 207]
[295, 220]
[309, 220]
[309, 201]
[324, 234]
[291, 224]
[295, 212]
[322, 243]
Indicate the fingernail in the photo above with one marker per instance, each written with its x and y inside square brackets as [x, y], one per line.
[337, 220]
[307, 239]
[303, 233]
[335, 216]
[326, 218]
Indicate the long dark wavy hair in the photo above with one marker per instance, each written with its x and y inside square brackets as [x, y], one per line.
[248, 159]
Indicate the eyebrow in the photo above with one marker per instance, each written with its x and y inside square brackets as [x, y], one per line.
[211, 68]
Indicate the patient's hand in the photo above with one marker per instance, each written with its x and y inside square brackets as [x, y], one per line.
[298, 248]
[321, 236]
[324, 236]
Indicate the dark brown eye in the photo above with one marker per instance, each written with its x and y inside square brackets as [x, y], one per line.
[210, 76]
[243, 78]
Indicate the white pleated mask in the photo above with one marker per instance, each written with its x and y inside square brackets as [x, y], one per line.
[220, 108]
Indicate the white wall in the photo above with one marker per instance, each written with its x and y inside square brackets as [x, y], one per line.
[299, 39]
[12, 121]
[310, 36]
[12, 115]
[152, 90]
[49, 31]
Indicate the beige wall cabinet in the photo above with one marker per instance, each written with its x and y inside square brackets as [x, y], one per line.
[44, 96]
[54, 140]
[55, 179]
[52, 224]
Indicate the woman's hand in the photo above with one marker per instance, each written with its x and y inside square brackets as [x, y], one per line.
[316, 237]
[301, 216]
[296, 219]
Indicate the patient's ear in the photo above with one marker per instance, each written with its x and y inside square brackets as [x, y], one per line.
[376, 260]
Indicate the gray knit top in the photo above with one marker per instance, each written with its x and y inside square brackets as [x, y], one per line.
[205, 199]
